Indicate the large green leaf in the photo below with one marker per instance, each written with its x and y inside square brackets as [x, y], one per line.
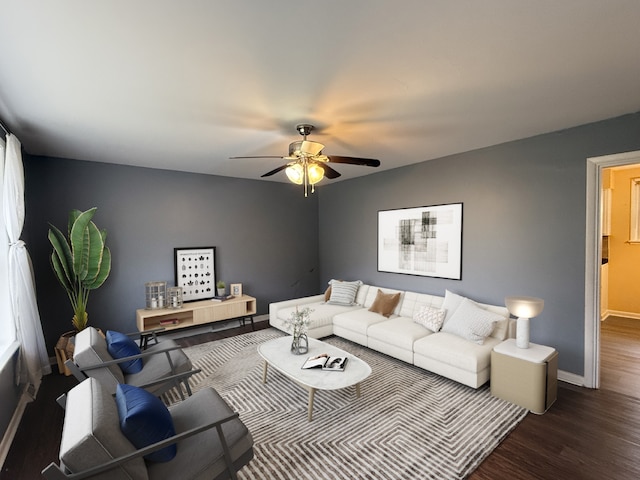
[80, 239]
[105, 268]
[63, 253]
[94, 259]
[59, 270]
[73, 215]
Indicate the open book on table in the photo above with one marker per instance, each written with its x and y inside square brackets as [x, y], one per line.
[326, 362]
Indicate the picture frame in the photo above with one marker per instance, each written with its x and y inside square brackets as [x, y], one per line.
[425, 241]
[195, 272]
[236, 289]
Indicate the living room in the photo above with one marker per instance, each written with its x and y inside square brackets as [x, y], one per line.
[524, 227]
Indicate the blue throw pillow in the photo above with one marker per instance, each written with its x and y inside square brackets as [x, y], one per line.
[121, 346]
[145, 420]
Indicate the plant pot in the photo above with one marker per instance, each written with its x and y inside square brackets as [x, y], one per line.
[222, 292]
[64, 350]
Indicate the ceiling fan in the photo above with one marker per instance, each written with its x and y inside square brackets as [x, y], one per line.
[307, 165]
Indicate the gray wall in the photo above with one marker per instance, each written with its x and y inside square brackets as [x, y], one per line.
[523, 228]
[523, 224]
[265, 234]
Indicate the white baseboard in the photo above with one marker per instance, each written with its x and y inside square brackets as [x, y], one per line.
[571, 378]
[619, 313]
[12, 428]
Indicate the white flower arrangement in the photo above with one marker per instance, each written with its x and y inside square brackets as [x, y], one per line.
[298, 322]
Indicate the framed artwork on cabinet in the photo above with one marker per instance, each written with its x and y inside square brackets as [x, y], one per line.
[195, 272]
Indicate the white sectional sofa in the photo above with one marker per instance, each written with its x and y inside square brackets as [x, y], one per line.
[449, 352]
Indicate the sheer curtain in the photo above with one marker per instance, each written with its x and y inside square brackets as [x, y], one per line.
[33, 350]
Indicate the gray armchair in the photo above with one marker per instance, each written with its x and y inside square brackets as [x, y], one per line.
[212, 442]
[165, 365]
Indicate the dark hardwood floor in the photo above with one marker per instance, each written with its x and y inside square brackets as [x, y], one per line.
[587, 434]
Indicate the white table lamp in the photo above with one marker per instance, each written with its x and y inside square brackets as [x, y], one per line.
[524, 308]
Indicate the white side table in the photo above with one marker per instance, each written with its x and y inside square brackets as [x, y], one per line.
[525, 376]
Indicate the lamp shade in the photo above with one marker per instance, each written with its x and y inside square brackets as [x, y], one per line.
[315, 173]
[524, 307]
[295, 173]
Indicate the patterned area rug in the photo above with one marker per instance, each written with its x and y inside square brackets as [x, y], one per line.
[408, 423]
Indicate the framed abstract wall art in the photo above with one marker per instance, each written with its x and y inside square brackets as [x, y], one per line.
[195, 271]
[423, 241]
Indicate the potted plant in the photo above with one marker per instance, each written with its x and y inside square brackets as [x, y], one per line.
[221, 288]
[80, 261]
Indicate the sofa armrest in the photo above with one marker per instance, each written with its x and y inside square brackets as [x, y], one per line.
[301, 302]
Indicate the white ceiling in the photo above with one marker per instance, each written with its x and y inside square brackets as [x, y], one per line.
[186, 85]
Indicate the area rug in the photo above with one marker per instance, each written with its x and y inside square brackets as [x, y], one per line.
[407, 424]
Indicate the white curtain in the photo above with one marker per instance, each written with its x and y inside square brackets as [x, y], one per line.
[34, 359]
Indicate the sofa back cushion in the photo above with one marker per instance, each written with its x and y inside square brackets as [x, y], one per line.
[91, 349]
[413, 302]
[91, 434]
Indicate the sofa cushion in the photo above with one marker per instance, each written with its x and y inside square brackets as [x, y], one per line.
[455, 351]
[157, 366]
[358, 320]
[321, 314]
[145, 420]
[91, 349]
[430, 317]
[471, 322]
[120, 345]
[203, 453]
[385, 303]
[91, 434]
[412, 302]
[400, 331]
[343, 293]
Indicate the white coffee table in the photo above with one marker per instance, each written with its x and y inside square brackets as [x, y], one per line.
[277, 353]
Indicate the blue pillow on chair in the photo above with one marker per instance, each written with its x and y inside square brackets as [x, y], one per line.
[120, 346]
[145, 420]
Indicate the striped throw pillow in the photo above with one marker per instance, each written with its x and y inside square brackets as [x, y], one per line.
[343, 293]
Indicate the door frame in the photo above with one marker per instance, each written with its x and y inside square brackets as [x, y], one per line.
[593, 253]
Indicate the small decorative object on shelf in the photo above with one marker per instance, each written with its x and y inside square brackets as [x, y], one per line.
[298, 324]
[174, 296]
[236, 289]
[156, 294]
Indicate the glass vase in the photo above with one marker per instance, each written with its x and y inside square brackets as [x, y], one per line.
[300, 344]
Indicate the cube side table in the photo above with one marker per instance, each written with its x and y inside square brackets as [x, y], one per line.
[525, 376]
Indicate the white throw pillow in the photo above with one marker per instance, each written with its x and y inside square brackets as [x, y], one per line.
[343, 293]
[450, 304]
[472, 322]
[430, 317]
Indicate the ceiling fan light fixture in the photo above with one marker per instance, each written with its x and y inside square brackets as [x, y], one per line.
[295, 173]
[315, 173]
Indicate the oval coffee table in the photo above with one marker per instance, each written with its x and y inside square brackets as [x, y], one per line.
[277, 353]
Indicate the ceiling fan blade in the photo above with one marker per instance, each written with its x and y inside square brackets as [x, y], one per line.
[261, 156]
[367, 162]
[329, 172]
[275, 170]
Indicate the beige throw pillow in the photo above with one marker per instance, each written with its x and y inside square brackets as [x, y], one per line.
[385, 303]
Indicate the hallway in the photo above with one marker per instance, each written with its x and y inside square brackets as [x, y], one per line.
[620, 355]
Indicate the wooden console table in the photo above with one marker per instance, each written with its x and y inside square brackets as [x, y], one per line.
[197, 313]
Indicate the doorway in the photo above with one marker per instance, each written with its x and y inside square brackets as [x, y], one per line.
[593, 252]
